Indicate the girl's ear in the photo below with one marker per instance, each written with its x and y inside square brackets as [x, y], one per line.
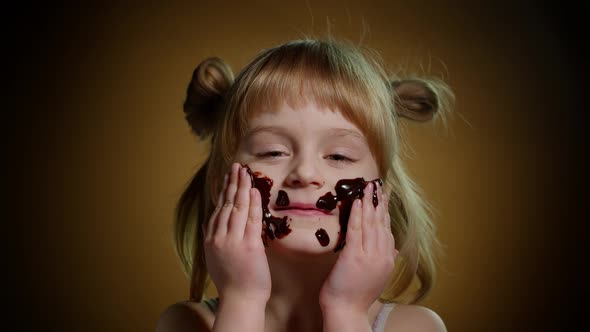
[414, 99]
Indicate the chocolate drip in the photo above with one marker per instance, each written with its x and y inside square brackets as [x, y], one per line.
[322, 237]
[282, 199]
[327, 202]
[347, 190]
[280, 228]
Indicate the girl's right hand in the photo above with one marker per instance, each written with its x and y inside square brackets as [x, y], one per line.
[234, 251]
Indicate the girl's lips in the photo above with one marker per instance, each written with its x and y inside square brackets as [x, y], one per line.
[303, 209]
[300, 212]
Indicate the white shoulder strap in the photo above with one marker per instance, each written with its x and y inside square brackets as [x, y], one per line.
[379, 324]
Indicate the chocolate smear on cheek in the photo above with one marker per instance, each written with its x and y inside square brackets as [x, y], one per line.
[347, 190]
[323, 237]
[280, 228]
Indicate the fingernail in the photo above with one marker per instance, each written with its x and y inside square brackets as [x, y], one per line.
[358, 202]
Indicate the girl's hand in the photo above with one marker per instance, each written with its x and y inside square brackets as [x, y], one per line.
[363, 266]
[234, 251]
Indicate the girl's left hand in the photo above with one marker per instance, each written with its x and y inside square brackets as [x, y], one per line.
[364, 264]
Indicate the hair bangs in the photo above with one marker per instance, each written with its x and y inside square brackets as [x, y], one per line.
[314, 72]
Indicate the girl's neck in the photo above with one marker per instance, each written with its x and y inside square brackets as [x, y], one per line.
[296, 283]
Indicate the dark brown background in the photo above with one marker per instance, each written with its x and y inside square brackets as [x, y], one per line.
[98, 151]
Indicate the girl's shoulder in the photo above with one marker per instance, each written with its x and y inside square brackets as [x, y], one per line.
[199, 316]
[409, 318]
[186, 316]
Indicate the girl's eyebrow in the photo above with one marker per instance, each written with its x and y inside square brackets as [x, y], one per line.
[342, 132]
[270, 129]
[329, 132]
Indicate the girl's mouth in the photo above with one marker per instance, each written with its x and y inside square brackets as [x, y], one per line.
[303, 209]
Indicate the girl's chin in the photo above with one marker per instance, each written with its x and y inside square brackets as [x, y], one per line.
[307, 240]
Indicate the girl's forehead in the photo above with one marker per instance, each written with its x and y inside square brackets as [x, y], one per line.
[309, 115]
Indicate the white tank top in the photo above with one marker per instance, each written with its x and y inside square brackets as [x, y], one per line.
[378, 324]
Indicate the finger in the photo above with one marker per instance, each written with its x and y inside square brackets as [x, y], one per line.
[228, 203]
[354, 236]
[390, 236]
[383, 234]
[239, 215]
[386, 217]
[381, 205]
[212, 223]
[254, 221]
[368, 219]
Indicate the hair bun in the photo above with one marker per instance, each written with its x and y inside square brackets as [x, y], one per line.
[420, 99]
[205, 93]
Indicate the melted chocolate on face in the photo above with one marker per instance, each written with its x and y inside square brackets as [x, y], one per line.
[322, 237]
[282, 199]
[347, 190]
[280, 225]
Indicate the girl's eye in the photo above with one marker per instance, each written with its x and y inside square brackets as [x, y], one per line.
[339, 158]
[271, 154]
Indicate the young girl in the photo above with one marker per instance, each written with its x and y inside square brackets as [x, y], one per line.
[303, 208]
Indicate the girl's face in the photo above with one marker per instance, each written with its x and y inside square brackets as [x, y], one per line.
[305, 151]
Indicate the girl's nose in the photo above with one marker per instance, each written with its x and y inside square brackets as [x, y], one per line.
[305, 173]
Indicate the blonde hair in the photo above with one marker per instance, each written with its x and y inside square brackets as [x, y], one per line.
[333, 74]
